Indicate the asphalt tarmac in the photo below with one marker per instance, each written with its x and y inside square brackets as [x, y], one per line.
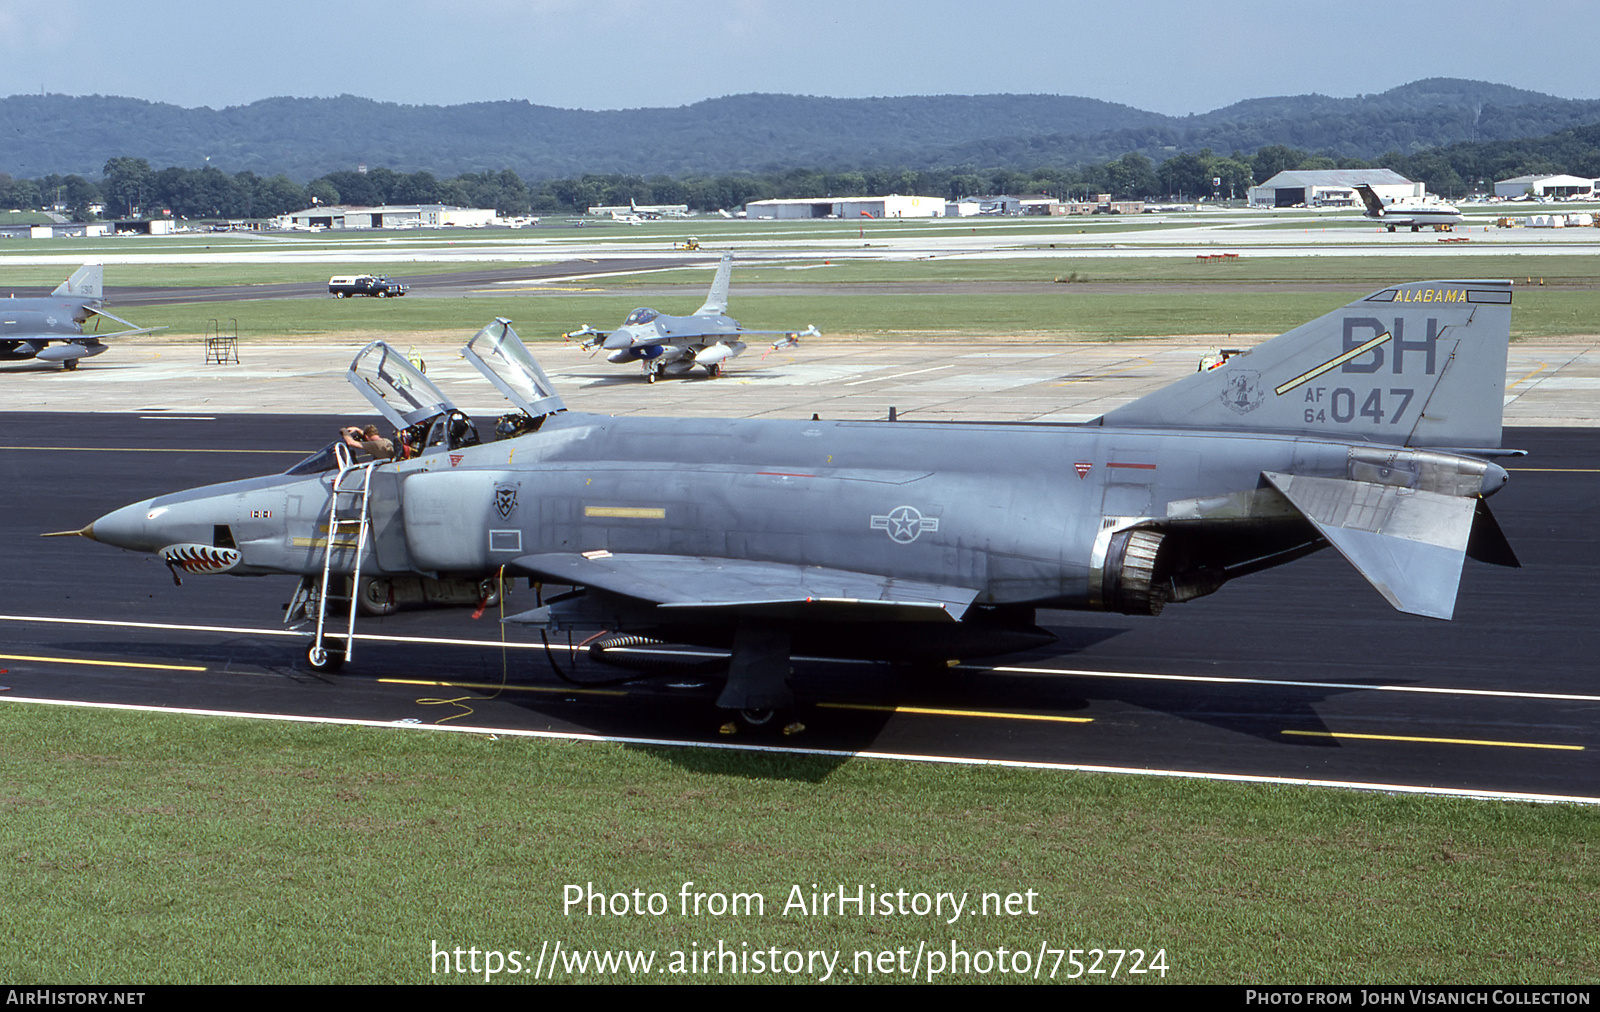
[1301, 672]
[441, 284]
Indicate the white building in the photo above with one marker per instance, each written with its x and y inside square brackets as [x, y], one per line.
[388, 216]
[892, 206]
[1332, 188]
[1544, 186]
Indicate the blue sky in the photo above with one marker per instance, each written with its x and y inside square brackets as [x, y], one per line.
[1164, 56]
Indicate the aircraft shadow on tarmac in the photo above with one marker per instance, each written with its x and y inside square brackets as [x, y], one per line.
[843, 706]
[588, 381]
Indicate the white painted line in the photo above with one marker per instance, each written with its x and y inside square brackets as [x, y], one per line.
[997, 669]
[1453, 792]
[247, 631]
[898, 375]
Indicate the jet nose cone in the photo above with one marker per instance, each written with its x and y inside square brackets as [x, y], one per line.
[1494, 479]
[618, 340]
[128, 527]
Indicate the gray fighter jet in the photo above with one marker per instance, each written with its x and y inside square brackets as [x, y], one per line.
[1370, 430]
[673, 345]
[51, 329]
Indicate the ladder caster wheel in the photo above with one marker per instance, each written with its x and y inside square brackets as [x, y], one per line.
[321, 658]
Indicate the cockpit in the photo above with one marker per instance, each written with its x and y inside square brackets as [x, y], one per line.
[424, 419]
[640, 316]
[325, 459]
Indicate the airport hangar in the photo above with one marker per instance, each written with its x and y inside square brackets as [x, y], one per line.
[892, 206]
[1332, 188]
[1544, 186]
[388, 216]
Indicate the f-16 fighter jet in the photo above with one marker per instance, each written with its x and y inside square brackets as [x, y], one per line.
[674, 345]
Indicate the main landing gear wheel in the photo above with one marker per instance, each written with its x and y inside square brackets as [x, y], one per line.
[377, 597]
[714, 370]
[765, 722]
[323, 658]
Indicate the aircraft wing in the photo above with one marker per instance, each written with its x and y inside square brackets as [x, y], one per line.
[697, 340]
[810, 331]
[758, 589]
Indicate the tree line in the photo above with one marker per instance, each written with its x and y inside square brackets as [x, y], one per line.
[130, 188]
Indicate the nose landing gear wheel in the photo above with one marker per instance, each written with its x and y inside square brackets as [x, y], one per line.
[324, 657]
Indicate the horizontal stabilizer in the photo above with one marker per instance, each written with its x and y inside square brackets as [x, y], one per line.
[1409, 544]
[133, 328]
[750, 588]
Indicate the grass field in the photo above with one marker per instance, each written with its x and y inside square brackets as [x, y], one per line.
[1359, 272]
[1059, 313]
[152, 848]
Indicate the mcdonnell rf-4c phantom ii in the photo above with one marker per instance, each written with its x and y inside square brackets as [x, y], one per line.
[673, 345]
[51, 329]
[1370, 430]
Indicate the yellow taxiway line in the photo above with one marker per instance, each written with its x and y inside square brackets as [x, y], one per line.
[1434, 741]
[500, 688]
[100, 664]
[957, 713]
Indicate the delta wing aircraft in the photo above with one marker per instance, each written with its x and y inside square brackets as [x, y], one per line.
[673, 345]
[51, 329]
[1415, 214]
[1369, 430]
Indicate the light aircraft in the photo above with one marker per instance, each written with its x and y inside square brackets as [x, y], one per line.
[673, 345]
[51, 329]
[1371, 429]
[1417, 214]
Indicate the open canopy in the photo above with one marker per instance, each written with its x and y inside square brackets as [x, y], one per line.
[395, 387]
[500, 355]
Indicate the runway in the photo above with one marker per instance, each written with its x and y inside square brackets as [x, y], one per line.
[1301, 673]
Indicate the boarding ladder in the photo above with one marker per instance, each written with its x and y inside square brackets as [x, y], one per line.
[348, 512]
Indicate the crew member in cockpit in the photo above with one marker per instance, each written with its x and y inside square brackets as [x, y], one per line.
[368, 441]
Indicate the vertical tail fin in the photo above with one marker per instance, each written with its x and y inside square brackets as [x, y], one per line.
[1421, 364]
[86, 282]
[717, 298]
[1372, 200]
